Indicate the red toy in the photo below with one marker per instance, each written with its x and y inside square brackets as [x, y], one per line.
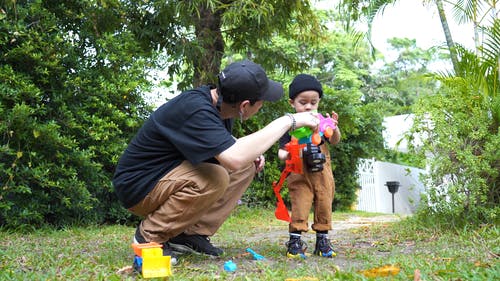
[292, 164]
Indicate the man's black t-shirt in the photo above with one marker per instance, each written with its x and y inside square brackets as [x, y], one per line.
[188, 127]
[286, 138]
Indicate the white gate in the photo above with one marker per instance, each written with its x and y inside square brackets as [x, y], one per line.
[366, 196]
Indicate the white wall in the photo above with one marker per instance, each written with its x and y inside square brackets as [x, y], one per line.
[374, 195]
[408, 196]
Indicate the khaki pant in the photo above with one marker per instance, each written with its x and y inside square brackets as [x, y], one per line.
[191, 199]
[318, 187]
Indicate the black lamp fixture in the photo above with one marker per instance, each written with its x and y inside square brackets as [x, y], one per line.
[393, 187]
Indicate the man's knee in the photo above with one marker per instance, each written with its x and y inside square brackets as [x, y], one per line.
[246, 173]
[215, 175]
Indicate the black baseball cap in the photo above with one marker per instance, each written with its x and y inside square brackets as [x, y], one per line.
[246, 80]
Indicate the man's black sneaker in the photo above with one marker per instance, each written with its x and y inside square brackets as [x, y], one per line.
[194, 244]
[296, 247]
[138, 238]
[323, 246]
[167, 251]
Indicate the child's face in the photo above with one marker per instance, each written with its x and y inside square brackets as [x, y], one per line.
[306, 101]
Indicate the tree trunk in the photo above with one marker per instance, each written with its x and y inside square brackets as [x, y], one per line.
[475, 23]
[447, 34]
[211, 46]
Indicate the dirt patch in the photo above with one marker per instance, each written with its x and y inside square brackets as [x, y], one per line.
[341, 236]
[339, 228]
[356, 221]
[347, 236]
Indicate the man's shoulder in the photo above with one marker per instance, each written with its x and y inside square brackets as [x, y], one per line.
[202, 92]
[193, 99]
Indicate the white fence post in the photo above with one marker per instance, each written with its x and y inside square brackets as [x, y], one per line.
[367, 198]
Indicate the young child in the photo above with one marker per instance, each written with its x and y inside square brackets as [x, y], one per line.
[319, 187]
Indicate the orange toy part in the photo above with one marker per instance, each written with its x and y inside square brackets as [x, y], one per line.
[138, 247]
[316, 138]
[293, 164]
[281, 211]
[328, 132]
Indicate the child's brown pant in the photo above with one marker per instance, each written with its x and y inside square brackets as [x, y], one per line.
[317, 187]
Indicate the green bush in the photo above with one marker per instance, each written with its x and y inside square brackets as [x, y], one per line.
[461, 133]
[69, 102]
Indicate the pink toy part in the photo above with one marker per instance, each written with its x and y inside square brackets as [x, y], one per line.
[326, 127]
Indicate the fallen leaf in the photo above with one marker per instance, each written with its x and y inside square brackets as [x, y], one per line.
[125, 270]
[302, 279]
[386, 270]
[480, 264]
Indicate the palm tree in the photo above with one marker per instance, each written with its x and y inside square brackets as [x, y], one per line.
[447, 34]
[464, 11]
[473, 89]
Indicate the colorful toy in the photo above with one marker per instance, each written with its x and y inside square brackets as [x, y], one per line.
[327, 125]
[326, 128]
[303, 134]
[230, 266]
[292, 164]
[150, 261]
[255, 255]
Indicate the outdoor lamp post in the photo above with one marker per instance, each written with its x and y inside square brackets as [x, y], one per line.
[393, 187]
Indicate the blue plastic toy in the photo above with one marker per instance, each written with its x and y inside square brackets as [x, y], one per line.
[230, 266]
[255, 255]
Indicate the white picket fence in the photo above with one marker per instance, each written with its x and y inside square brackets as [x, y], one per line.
[374, 195]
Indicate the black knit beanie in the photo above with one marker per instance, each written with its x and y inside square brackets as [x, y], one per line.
[304, 82]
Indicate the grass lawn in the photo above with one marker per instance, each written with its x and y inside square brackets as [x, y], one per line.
[363, 242]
